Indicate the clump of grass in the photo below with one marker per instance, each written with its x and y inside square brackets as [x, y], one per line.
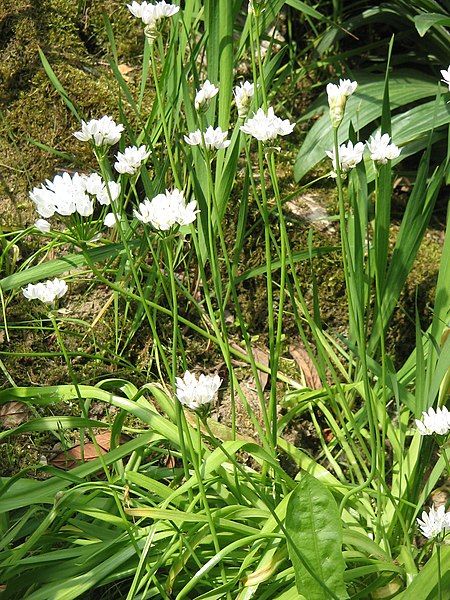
[201, 503]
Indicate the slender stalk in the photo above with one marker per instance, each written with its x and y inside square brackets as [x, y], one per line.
[438, 552]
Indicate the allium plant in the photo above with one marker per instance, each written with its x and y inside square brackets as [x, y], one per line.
[192, 503]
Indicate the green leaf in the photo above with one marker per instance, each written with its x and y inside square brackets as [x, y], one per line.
[425, 21]
[425, 585]
[364, 107]
[56, 267]
[314, 527]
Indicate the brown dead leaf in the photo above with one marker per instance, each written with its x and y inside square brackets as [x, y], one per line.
[70, 458]
[306, 366]
[124, 70]
[73, 456]
[262, 357]
[12, 414]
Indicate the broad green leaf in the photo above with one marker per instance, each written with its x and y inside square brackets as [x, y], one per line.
[314, 527]
[424, 21]
[425, 585]
[363, 107]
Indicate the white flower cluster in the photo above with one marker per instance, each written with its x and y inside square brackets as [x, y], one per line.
[152, 14]
[214, 139]
[434, 523]
[434, 421]
[337, 99]
[68, 194]
[45, 291]
[204, 94]
[195, 393]
[166, 210]
[349, 156]
[103, 132]
[267, 126]
[380, 148]
[130, 160]
[243, 95]
[446, 77]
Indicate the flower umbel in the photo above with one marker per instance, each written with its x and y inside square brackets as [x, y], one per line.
[435, 522]
[446, 77]
[103, 132]
[131, 159]
[46, 291]
[195, 393]
[151, 14]
[266, 127]
[65, 195]
[337, 99]
[204, 94]
[243, 95]
[166, 210]
[380, 148]
[349, 156]
[215, 139]
[434, 421]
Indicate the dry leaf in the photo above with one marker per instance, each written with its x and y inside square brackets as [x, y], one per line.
[306, 366]
[73, 456]
[124, 70]
[261, 357]
[13, 414]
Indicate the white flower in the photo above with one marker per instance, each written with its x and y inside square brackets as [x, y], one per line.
[214, 138]
[337, 98]
[435, 522]
[151, 14]
[131, 159]
[204, 94]
[434, 421]
[166, 210]
[446, 77]
[47, 291]
[110, 220]
[102, 131]
[349, 156]
[43, 225]
[93, 183]
[109, 193]
[380, 148]
[95, 186]
[265, 127]
[64, 195]
[194, 393]
[243, 95]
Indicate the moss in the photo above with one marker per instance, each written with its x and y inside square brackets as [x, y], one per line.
[73, 38]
